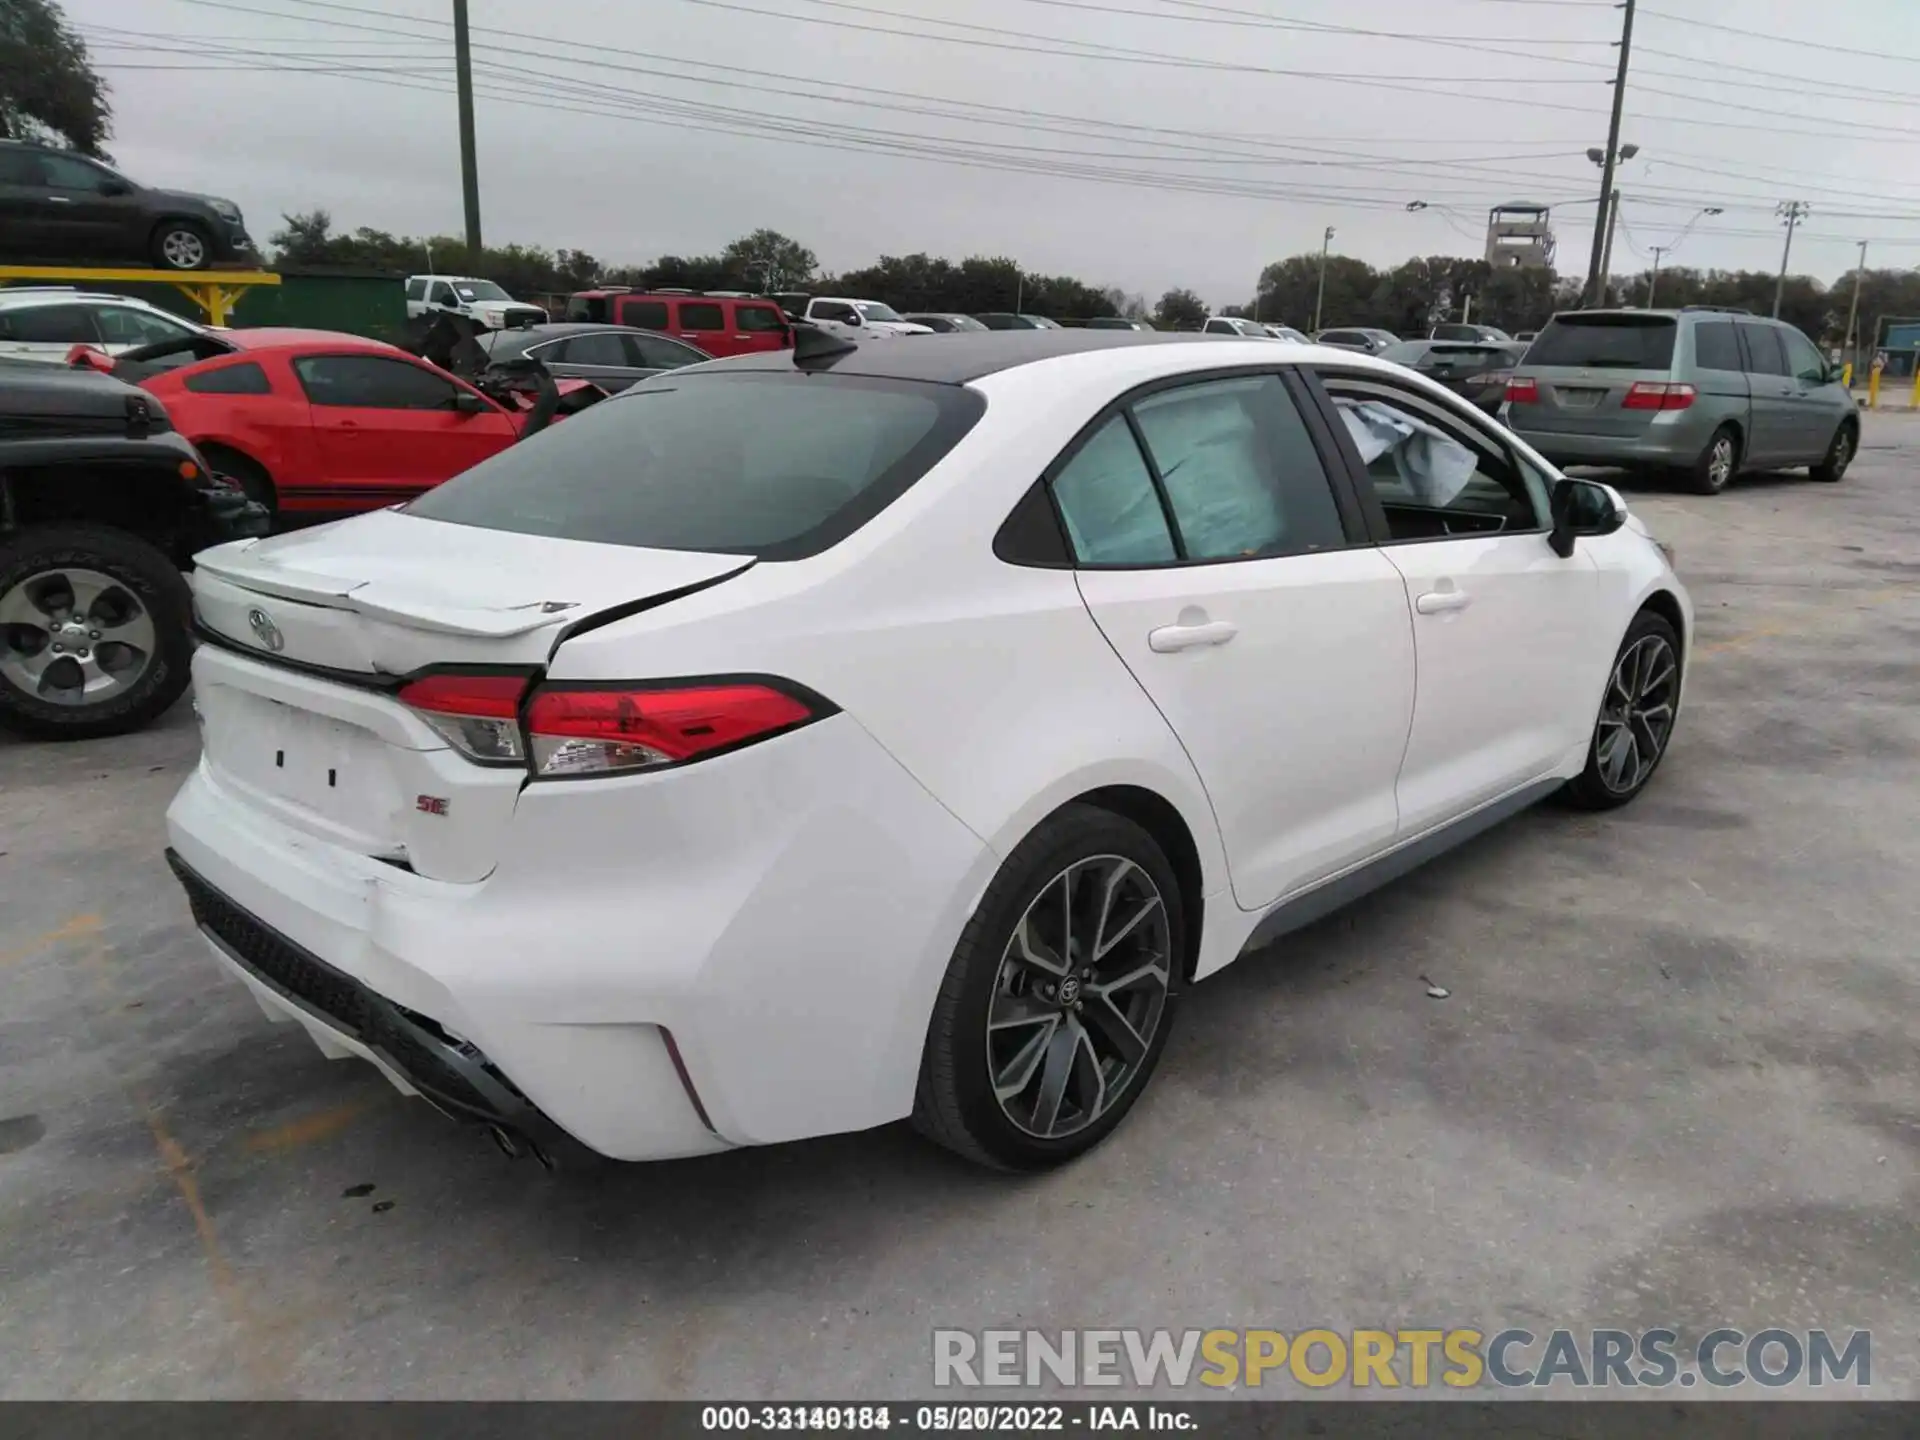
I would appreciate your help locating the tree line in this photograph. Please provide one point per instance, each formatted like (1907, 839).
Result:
(1407, 299)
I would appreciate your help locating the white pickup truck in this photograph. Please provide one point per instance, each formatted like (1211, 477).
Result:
(859, 319)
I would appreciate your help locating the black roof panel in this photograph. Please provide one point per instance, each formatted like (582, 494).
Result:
(958, 358)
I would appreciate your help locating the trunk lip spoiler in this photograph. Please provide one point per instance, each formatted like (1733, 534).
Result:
(387, 682)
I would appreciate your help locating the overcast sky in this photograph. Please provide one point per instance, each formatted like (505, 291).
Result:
(652, 168)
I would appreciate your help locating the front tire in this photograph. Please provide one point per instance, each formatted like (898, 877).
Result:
(95, 632)
(1058, 1000)
(1846, 441)
(182, 245)
(1635, 724)
(1718, 463)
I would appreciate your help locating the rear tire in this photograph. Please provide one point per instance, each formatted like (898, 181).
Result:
(1631, 734)
(182, 245)
(1718, 463)
(249, 474)
(1846, 441)
(1031, 1062)
(138, 596)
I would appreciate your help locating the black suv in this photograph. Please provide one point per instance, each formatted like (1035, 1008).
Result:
(102, 502)
(58, 207)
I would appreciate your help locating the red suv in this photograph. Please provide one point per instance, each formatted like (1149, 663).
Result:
(719, 324)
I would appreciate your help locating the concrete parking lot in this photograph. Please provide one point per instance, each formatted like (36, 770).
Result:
(1674, 1081)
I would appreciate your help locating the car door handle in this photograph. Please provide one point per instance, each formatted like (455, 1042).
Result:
(1442, 602)
(1169, 638)
(59, 200)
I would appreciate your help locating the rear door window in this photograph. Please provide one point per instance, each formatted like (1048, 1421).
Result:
(1714, 346)
(702, 315)
(1605, 342)
(1107, 497)
(658, 353)
(667, 464)
(1764, 355)
(603, 349)
(644, 314)
(50, 325)
(123, 325)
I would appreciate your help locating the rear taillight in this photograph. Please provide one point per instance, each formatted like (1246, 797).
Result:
(1523, 390)
(573, 730)
(1656, 395)
(476, 713)
(563, 729)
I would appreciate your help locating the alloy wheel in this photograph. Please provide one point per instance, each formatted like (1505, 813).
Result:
(1079, 996)
(1720, 461)
(1842, 453)
(1636, 717)
(183, 250)
(74, 637)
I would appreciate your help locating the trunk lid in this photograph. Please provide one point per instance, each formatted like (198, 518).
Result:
(298, 703)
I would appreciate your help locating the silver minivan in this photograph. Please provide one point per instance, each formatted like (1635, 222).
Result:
(1707, 392)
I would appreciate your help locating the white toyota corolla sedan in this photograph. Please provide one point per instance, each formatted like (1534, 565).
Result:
(804, 741)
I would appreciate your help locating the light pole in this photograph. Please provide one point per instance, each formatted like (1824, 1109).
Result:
(1853, 307)
(1659, 250)
(1609, 197)
(1320, 295)
(1596, 274)
(1793, 211)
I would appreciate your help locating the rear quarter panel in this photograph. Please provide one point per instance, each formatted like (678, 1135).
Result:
(274, 430)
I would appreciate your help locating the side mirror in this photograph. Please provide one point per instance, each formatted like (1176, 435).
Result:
(465, 402)
(115, 187)
(1583, 507)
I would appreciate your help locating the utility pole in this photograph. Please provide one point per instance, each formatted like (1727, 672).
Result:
(1606, 251)
(1794, 211)
(1853, 307)
(1602, 227)
(469, 165)
(1653, 280)
(1320, 295)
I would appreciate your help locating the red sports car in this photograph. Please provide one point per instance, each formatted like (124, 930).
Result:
(312, 422)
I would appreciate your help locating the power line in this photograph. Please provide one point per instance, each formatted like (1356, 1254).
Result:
(814, 86)
(1226, 15)
(1798, 44)
(814, 139)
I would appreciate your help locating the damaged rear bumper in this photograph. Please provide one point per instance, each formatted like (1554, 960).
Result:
(346, 1018)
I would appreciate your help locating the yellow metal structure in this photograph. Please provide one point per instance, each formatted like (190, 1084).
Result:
(1873, 387)
(216, 292)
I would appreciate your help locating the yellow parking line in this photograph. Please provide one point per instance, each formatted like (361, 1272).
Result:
(308, 1129)
(76, 927)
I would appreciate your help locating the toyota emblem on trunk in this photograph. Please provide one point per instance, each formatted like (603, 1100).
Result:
(266, 631)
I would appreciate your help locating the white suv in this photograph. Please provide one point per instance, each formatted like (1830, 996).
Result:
(44, 323)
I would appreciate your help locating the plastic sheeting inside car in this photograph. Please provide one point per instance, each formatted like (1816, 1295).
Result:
(1432, 464)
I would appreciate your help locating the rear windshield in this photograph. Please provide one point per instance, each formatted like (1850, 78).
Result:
(667, 464)
(1610, 342)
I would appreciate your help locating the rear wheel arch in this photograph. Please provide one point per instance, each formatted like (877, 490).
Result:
(254, 477)
(1162, 820)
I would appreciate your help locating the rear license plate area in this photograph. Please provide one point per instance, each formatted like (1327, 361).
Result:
(307, 761)
(1578, 399)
